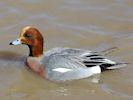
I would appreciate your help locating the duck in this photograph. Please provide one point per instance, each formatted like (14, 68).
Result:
(62, 63)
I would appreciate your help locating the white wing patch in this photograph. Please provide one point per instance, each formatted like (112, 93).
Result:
(62, 70)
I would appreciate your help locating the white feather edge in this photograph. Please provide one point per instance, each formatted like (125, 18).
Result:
(109, 61)
(121, 65)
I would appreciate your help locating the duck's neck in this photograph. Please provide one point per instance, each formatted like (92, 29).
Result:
(36, 50)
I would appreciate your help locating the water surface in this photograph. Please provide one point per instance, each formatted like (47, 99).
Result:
(89, 24)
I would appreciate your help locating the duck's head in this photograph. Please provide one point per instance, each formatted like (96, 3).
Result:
(31, 37)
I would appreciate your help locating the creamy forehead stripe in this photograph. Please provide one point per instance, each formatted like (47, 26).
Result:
(24, 30)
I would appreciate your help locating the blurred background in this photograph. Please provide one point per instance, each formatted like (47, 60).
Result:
(88, 24)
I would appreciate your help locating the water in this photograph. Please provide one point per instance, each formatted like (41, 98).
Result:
(88, 24)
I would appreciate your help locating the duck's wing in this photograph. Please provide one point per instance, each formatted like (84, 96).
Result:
(70, 58)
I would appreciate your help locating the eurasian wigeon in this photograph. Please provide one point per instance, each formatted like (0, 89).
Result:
(60, 64)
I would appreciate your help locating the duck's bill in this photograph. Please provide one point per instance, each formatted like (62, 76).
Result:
(16, 42)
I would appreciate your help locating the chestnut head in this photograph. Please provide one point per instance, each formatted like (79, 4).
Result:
(31, 37)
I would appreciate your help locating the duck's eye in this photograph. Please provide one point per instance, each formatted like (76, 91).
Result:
(28, 35)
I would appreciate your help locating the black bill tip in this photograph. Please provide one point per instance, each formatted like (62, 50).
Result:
(10, 43)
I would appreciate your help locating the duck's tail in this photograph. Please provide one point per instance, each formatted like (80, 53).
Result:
(112, 66)
(117, 65)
